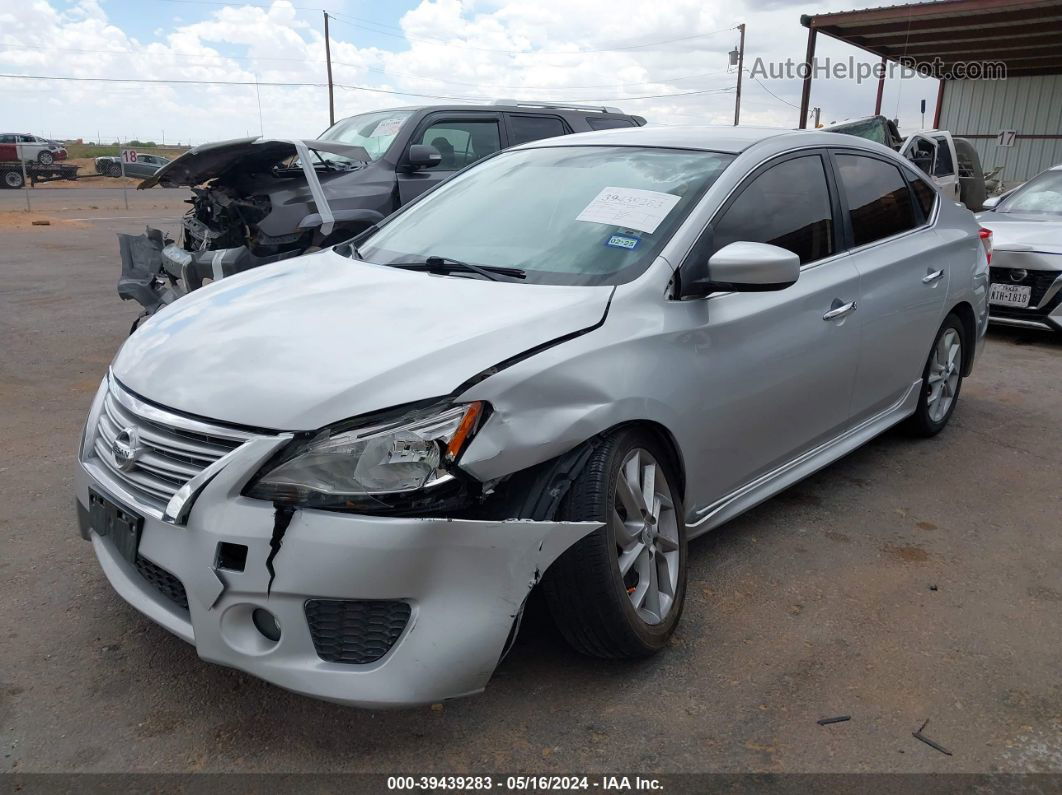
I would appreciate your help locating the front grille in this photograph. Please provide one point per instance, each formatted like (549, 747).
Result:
(1040, 281)
(165, 583)
(171, 449)
(356, 632)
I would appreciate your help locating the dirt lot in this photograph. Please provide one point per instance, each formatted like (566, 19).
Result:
(913, 580)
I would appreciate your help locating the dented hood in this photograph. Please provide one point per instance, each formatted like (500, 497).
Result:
(251, 155)
(310, 341)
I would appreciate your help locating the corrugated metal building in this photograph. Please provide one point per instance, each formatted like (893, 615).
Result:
(1025, 36)
(979, 109)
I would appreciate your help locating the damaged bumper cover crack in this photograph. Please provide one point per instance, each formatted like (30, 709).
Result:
(464, 582)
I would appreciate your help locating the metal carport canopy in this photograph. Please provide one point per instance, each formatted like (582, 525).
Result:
(1024, 35)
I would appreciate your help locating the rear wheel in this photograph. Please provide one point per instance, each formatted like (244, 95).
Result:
(619, 592)
(115, 169)
(13, 179)
(941, 380)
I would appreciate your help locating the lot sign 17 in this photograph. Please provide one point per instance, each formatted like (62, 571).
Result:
(1006, 137)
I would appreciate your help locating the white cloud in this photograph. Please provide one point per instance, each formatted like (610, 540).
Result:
(547, 49)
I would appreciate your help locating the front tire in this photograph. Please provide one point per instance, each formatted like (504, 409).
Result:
(45, 158)
(619, 592)
(941, 380)
(115, 170)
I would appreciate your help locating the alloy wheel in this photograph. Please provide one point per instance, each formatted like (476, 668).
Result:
(646, 532)
(942, 382)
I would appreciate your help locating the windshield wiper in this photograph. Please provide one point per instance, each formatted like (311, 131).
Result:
(448, 265)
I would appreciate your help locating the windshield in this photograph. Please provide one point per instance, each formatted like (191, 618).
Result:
(1041, 194)
(564, 215)
(373, 131)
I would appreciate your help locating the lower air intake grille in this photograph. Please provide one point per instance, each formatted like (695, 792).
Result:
(165, 583)
(355, 631)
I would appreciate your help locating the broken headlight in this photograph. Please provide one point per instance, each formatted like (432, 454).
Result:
(343, 467)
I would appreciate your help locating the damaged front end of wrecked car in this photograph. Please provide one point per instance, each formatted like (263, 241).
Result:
(254, 201)
(407, 585)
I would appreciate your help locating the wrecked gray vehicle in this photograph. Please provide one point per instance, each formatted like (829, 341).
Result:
(254, 201)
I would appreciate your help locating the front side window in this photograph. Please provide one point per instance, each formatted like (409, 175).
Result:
(788, 205)
(534, 128)
(879, 202)
(580, 215)
(1041, 194)
(372, 131)
(462, 143)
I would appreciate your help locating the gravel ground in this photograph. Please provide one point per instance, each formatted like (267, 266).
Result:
(912, 580)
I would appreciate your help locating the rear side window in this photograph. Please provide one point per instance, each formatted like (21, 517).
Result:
(879, 202)
(924, 195)
(533, 128)
(609, 124)
(788, 205)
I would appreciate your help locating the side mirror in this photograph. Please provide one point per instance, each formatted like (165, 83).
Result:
(424, 156)
(991, 202)
(741, 267)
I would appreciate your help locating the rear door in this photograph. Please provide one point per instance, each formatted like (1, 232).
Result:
(903, 273)
(462, 138)
(525, 127)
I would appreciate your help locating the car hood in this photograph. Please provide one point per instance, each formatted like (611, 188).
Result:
(307, 342)
(1024, 231)
(209, 161)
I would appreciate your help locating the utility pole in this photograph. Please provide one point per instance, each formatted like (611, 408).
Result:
(328, 59)
(816, 112)
(740, 67)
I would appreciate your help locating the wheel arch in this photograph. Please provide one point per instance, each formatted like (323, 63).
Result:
(667, 440)
(965, 313)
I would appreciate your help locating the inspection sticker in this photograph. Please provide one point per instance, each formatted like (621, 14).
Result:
(622, 241)
(632, 208)
(387, 127)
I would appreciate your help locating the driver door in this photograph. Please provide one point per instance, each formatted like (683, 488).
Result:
(775, 369)
(461, 138)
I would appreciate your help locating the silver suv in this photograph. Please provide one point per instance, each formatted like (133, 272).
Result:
(345, 473)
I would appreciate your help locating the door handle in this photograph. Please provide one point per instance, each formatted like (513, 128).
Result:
(839, 310)
(932, 276)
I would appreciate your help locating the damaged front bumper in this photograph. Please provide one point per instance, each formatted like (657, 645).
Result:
(425, 607)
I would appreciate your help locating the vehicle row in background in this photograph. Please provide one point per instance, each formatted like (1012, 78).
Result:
(144, 165)
(257, 201)
(1026, 226)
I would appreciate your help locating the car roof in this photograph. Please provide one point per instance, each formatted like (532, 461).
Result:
(592, 111)
(718, 138)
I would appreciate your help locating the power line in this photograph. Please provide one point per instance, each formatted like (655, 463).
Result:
(761, 85)
(251, 83)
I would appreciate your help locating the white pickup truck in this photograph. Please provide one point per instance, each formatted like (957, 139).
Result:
(952, 163)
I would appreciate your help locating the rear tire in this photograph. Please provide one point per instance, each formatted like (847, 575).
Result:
(115, 170)
(13, 179)
(941, 380)
(599, 608)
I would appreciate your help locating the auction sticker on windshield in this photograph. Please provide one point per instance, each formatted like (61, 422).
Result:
(387, 127)
(632, 208)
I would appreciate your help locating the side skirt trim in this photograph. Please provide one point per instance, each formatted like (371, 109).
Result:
(753, 493)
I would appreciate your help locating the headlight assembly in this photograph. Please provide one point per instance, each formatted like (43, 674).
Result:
(342, 467)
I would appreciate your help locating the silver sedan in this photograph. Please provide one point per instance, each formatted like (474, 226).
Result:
(344, 473)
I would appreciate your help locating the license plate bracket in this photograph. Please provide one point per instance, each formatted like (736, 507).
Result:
(1016, 295)
(119, 524)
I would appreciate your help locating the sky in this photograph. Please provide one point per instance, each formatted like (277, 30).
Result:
(666, 60)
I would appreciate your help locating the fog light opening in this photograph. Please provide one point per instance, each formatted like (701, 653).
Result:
(266, 623)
